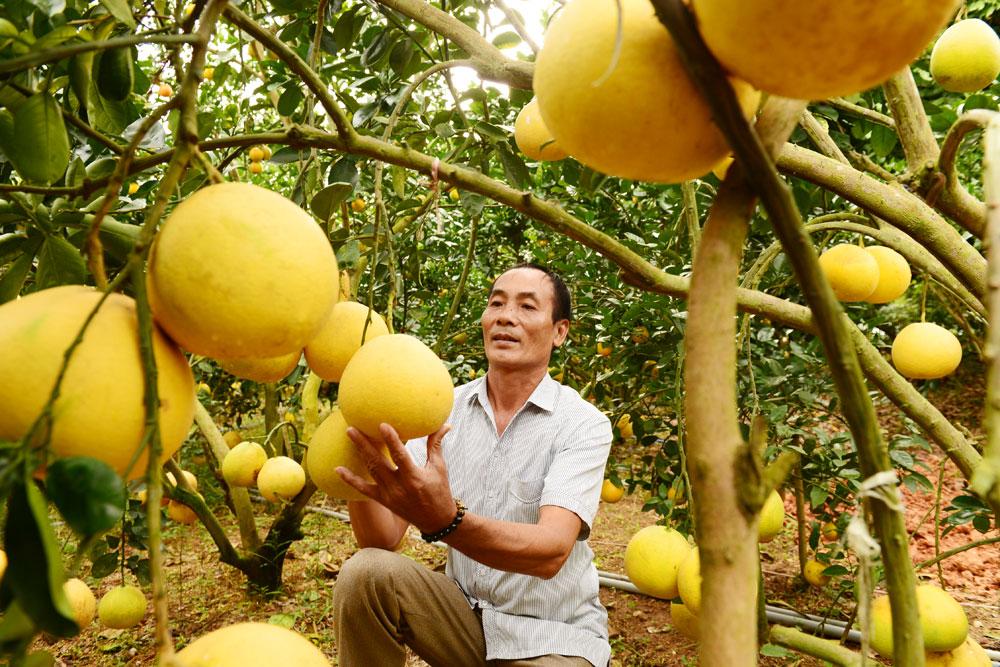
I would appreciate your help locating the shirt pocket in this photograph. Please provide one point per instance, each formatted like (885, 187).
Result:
(524, 498)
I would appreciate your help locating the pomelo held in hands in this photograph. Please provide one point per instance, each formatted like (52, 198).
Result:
(240, 272)
(398, 380)
(329, 449)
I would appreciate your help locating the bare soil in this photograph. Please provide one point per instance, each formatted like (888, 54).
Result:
(205, 595)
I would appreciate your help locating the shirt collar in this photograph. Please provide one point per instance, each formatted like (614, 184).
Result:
(544, 395)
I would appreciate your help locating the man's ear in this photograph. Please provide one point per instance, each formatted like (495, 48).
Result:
(562, 330)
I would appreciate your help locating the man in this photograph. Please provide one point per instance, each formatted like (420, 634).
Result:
(526, 455)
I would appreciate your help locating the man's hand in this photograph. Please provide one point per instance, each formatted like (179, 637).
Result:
(420, 495)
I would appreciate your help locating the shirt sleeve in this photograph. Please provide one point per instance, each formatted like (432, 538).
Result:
(577, 471)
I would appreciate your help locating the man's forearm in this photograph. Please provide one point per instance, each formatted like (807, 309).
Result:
(536, 549)
(374, 525)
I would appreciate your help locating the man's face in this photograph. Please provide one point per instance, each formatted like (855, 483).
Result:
(518, 331)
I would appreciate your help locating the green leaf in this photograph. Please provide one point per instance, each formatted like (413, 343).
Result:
(817, 496)
(35, 572)
(118, 237)
(88, 493)
(120, 10)
(54, 38)
(505, 40)
(514, 168)
(15, 626)
(13, 279)
(106, 115)
(59, 263)
(775, 651)
(290, 100)
(883, 141)
(326, 201)
(104, 565)
(39, 145)
(282, 620)
(343, 171)
(398, 181)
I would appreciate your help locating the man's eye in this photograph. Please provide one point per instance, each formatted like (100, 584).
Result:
(528, 306)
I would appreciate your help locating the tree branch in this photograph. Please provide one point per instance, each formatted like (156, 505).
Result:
(518, 26)
(914, 130)
(715, 447)
(986, 481)
(824, 649)
(36, 58)
(841, 356)
(489, 61)
(953, 199)
(899, 207)
(862, 112)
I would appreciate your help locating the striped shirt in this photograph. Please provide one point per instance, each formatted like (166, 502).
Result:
(553, 452)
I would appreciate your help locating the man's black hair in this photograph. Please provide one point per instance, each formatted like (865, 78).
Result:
(563, 307)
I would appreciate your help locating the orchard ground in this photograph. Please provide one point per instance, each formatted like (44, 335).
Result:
(205, 595)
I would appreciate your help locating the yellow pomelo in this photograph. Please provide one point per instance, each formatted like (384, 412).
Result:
(240, 272)
(3, 563)
(122, 607)
(683, 621)
(232, 438)
(722, 168)
(925, 351)
(893, 274)
(252, 645)
(969, 654)
(813, 573)
(638, 117)
(243, 463)
(81, 601)
(330, 448)
(652, 558)
(188, 476)
(625, 426)
(611, 493)
(829, 532)
(181, 513)
(99, 411)
(944, 623)
(267, 369)
(281, 478)
(852, 272)
(820, 48)
(966, 57)
(689, 581)
(532, 137)
(772, 516)
(398, 380)
(340, 337)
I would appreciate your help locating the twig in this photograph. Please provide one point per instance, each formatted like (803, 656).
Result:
(862, 112)
(64, 52)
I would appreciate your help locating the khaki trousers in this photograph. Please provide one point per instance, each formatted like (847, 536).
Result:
(384, 601)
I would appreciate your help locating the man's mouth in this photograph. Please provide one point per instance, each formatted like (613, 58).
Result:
(504, 338)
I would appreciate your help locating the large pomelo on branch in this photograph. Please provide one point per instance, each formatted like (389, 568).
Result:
(269, 369)
(99, 412)
(330, 448)
(533, 137)
(652, 559)
(943, 621)
(893, 274)
(252, 645)
(240, 272)
(341, 336)
(398, 380)
(966, 57)
(630, 112)
(926, 351)
(815, 49)
(852, 272)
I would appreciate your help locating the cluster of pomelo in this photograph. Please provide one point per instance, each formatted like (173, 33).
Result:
(629, 82)
(660, 562)
(877, 274)
(257, 155)
(120, 608)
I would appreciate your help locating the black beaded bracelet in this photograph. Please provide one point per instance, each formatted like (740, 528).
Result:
(450, 528)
